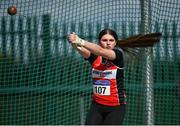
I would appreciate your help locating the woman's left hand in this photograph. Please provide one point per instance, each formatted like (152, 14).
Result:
(72, 38)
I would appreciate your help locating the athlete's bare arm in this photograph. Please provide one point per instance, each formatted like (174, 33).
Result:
(87, 47)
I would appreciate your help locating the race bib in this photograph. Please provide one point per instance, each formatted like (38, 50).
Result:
(101, 87)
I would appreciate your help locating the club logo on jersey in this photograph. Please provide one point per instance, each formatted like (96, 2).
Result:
(108, 64)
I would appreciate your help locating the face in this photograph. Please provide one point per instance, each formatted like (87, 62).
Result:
(107, 41)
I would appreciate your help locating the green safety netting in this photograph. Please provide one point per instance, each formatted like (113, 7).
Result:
(43, 80)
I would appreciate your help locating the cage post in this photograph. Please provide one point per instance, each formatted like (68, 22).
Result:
(82, 111)
(149, 84)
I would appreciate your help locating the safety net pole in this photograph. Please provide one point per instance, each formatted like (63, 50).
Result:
(149, 94)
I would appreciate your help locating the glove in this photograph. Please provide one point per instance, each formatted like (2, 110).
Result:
(76, 39)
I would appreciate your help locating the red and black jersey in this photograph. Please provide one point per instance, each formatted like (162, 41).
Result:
(108, 85)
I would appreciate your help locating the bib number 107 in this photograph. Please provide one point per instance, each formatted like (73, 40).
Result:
(101, 90)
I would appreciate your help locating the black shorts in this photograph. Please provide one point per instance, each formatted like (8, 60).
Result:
(105, 115)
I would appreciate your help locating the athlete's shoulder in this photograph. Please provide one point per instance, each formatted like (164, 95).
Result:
(92, 58)
(119, 49)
